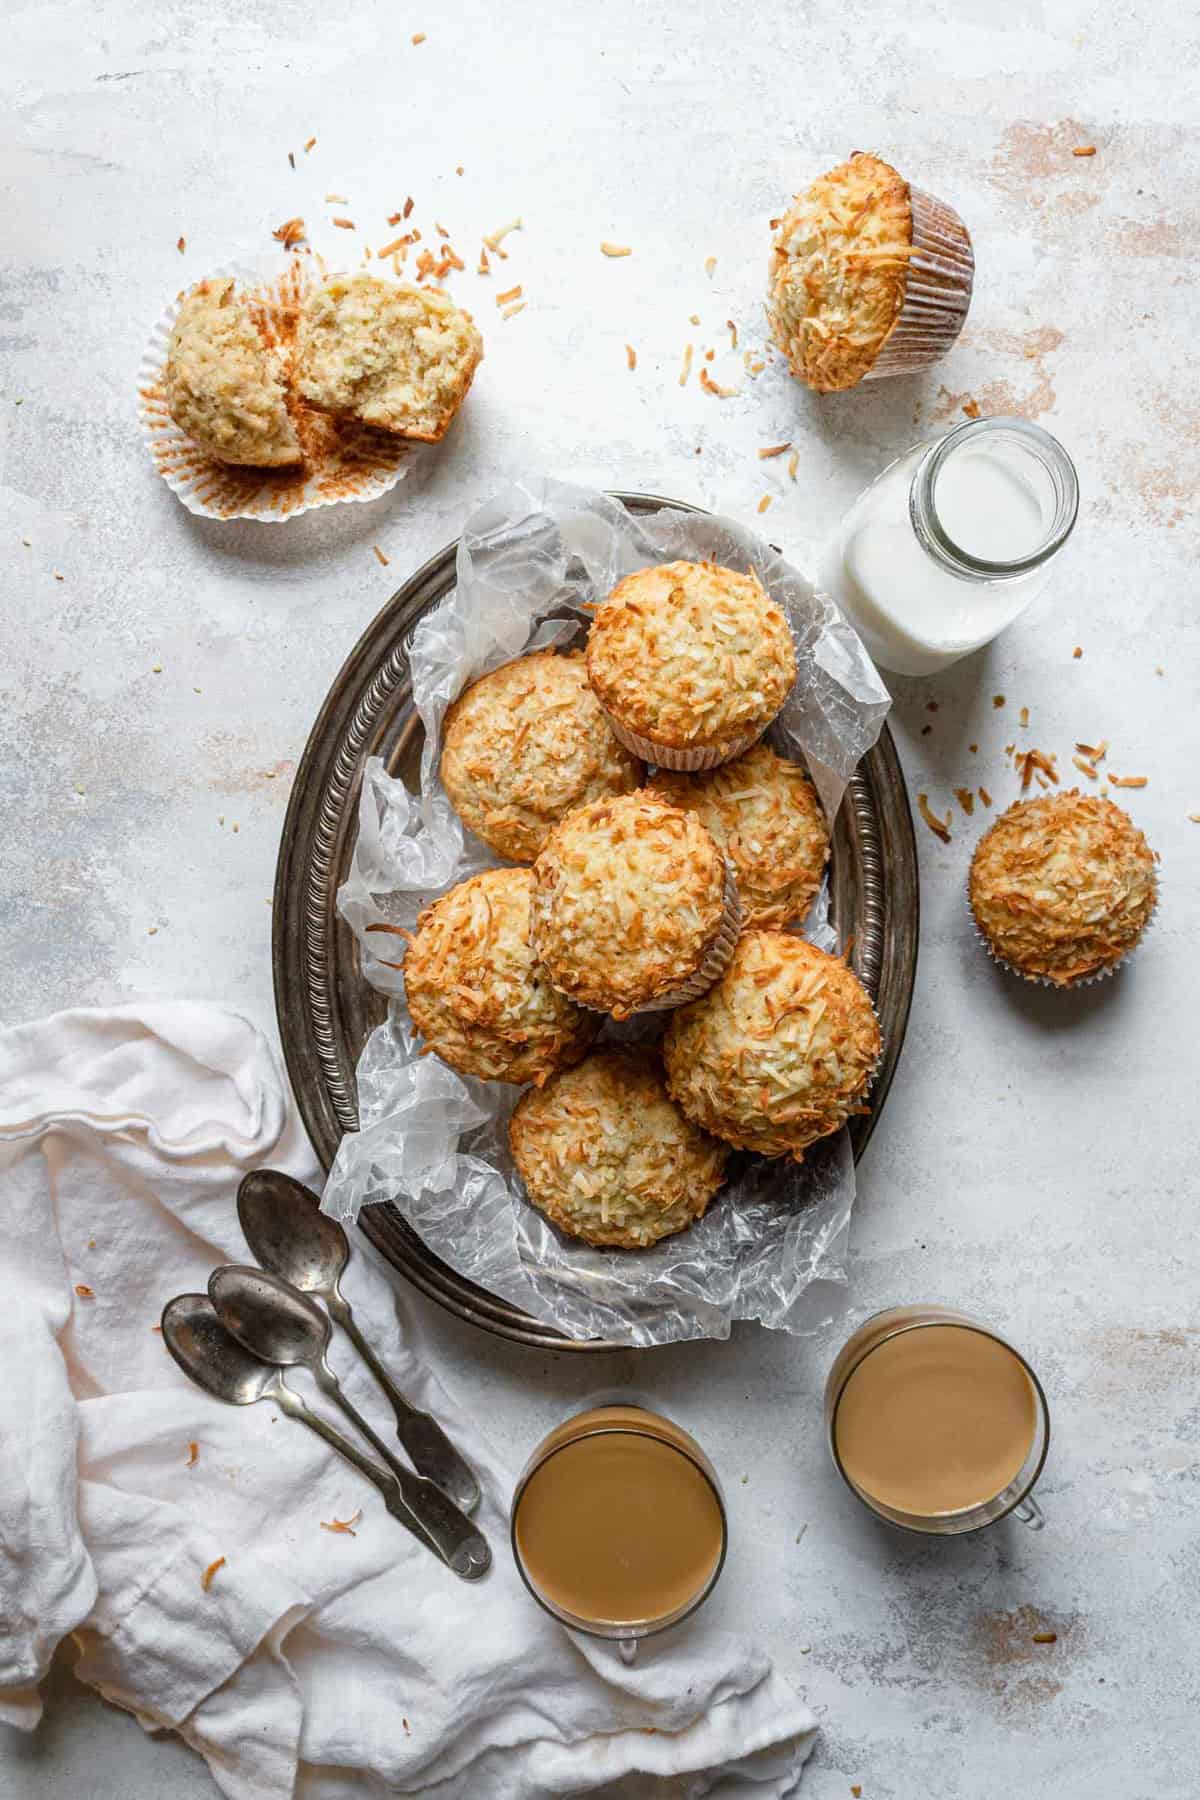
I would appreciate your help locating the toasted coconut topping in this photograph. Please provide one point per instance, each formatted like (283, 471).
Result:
(628, 903)
(773, 450)
(840, 270)
(691, 654)
(1063, 886)
(939, 827)
(526, 745)
(630, 356)
(476, 991)
(966, 800)
(765, 502)
(607, 1156)
(780, 1052)
(763, 812)
(617, 249)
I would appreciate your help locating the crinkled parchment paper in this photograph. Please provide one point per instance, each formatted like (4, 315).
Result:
(435, 1143)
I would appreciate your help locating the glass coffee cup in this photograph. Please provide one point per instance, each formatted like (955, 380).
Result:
(936, 1422)
(618, 1522)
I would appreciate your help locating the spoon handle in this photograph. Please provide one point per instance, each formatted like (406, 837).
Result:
(423, 1438)
(456, 1539)
(295, 1408)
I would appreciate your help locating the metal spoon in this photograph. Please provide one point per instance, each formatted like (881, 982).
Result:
(212, 1358)
(290, 1235)
(273, 1321)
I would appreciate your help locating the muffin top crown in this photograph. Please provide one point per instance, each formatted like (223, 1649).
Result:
(608, 1157)
(691, 654)
(629, 895)
(765, 815)
(1062, 886)
(476, 991)
(840, 270)
(779, 1052)
(526, 745)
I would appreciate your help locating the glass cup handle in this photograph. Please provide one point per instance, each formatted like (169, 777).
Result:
(628, 1649)
(1029, 1513)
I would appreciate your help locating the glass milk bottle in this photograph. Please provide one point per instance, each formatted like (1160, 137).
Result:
(952, 541)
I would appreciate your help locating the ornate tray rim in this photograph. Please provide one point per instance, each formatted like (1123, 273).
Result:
(311, 944)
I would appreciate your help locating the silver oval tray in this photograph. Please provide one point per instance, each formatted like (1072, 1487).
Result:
(325, 1008)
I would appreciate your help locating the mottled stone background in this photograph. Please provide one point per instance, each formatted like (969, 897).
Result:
(1037, 1160)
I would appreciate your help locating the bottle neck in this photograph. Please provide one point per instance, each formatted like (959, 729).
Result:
(1034, 459)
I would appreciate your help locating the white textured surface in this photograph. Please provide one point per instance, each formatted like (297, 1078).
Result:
(1036, 1156)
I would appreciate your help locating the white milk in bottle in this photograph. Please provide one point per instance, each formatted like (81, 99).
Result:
(952, 541)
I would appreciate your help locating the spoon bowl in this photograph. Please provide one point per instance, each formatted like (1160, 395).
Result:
(211, 1356)
(269, 1318)
(289, 1234)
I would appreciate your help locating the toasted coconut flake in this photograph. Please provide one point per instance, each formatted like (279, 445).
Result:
(732, 334)
(769, 450)
(997, 700)
(510, 312)
(966, 800)
(206, 1580)
(630, 356)
(380, 556)
(418, 37)
(939, 827)
(1024, 716)
(971, 408)
(1036, 762)
(400, 243)
(310, 145)
(714, 387)
(181, 245)
(337, 200)
(764, 503)
(1094, 752)
(985, 796)
(84, 1291)
(344, 1526)
(485, 267)
(616, 249)
(1089, 769)
(512, 293)
(686, 370)
(193, 1455)
(1128, 781)
(497, 238)
(793, 464)
(710, 263)
(1082, 150)
(345, 224)
(1195, 818)
(290, 233)
(1077, 651)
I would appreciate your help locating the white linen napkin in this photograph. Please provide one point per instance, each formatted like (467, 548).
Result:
(316, 1663)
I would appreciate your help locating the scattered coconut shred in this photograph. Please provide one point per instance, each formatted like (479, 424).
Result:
(206, 1580)
(939, 827)
(344, 1526)
(616, 249)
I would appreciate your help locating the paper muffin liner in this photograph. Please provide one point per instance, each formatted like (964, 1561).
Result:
(716, 958)
(937, 295)
(341, 461)
(1081, 981)
(689, 762)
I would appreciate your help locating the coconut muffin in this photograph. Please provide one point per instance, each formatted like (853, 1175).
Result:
(779, 1053)
(634, 906)
(224, 386)
(396, 357)
(764, 814)
(869, 277)
(1062, 887)
(526, 745)
(691, 662)
(607, 1156)
(475, 990)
